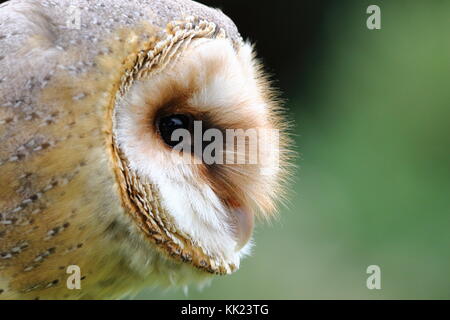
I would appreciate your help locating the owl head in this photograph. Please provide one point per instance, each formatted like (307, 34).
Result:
(201, 147)
(140, 146)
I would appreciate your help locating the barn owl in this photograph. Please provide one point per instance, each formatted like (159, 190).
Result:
(91, 93)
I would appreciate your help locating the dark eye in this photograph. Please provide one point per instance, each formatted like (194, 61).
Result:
(168, 124)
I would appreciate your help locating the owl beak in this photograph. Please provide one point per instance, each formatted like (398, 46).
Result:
(244, 220)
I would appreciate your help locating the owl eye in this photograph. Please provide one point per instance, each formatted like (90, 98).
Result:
(168, 124)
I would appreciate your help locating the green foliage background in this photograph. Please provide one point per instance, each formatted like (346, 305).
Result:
(373, 178)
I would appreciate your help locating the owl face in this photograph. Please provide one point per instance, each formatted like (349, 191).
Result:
(209, 101)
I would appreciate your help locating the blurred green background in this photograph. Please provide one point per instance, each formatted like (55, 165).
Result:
(372, 129)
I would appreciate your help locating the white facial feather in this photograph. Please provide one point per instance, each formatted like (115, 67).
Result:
(192, 203)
